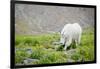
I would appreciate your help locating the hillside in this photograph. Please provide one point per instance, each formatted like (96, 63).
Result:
(37, 19)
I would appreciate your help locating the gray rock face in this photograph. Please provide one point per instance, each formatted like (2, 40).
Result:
(35, 19)
(30, 61)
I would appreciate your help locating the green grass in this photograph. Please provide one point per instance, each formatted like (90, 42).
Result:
(44, 50)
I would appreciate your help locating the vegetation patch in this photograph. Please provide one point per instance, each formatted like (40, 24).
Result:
(46, 52)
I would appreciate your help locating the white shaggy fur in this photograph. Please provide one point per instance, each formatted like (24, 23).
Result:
(70, 33)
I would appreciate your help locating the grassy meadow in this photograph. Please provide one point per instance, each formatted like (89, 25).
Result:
(46, 52)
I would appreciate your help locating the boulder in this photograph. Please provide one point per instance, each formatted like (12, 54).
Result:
(29, 51)
(30, 61)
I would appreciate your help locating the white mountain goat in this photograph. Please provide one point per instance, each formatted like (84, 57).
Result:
(70, 33)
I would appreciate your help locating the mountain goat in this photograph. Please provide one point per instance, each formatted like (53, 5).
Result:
(70, 33)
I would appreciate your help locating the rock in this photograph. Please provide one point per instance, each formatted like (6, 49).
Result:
(70, 60)
(29, 51)
(56, 43)
(70, 52)
(16, 49)
(29, 61)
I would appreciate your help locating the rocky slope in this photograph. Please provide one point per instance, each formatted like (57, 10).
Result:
(37, 19)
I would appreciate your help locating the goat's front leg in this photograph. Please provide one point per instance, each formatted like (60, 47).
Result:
(67, 44)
